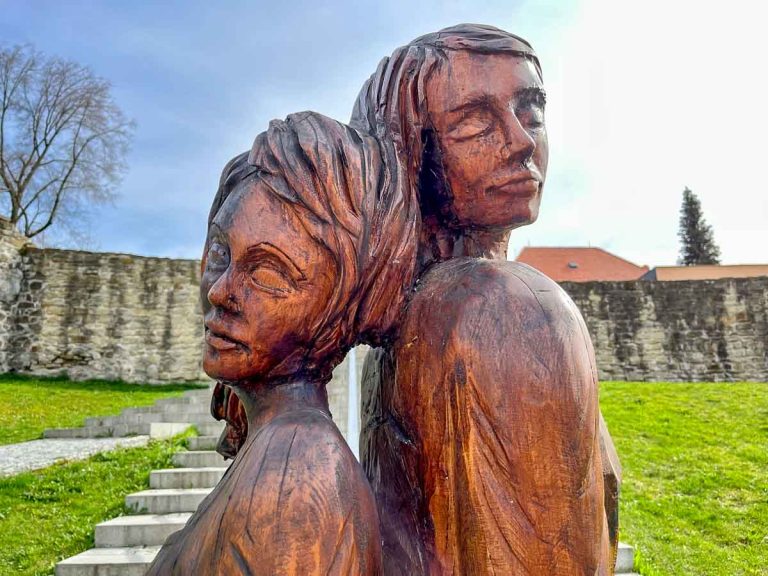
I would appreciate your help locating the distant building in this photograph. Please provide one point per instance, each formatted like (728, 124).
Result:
(706, 272)
(580, 264)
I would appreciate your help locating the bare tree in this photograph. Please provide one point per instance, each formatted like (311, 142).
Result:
(63, 142)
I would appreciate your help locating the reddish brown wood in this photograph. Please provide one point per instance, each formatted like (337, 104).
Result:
(225, 405)
(481, 435)
(503, 454)
(311, 249)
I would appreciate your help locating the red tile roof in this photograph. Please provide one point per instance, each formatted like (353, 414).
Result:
(580, 264)
(708, 272)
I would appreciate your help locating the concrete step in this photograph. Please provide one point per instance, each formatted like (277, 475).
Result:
(177, 400)
(202, 442)
(149, 417)
(143, 418)
(109, 562)
(152, 429)
(625, 559)
(176, 410)
(212, 428)
(186, 477)
(199, 392)
(138, 410)
(99, 431)
(90, 432)
(166, 501)
(199, 459)
(140, 530)
(167, 429)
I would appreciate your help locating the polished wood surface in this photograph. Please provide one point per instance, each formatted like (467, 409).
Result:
(482, 438)
(484, 467)
(294, 501)
(457, 489)
(311, 249)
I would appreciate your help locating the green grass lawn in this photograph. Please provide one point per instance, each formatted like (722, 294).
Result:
(694, 499)
(695, 457)
(50, 514)
(30, 405)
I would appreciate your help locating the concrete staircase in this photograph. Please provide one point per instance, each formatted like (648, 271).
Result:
(166, 418)
(126, 546)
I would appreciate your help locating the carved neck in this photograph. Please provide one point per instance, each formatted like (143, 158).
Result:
(264, 402)
(439, 244)
(482, 244)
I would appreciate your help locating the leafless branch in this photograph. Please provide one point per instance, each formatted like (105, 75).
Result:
(63, 141)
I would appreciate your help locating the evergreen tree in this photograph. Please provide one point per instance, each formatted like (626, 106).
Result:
(697, 242)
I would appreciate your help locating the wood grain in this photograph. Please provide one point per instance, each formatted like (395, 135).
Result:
(482, 436)
(311, 248)
(465, 108)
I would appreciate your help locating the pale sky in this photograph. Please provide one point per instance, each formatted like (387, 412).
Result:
(645, 98)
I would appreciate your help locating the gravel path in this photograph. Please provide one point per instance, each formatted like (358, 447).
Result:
(15, 458)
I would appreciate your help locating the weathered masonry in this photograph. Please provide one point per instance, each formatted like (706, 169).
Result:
(98, 315)
(115, 316)
(698, 330)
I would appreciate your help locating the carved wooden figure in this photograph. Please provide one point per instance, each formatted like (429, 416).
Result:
(310, 249)
(482, 436)
(480, 421)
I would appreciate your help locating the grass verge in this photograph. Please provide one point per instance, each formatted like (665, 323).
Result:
(50, 514)
(29, 405)
(695, 459)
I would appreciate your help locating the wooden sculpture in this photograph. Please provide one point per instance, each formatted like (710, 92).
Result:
(482, 436)
(480, 421)
(310, 249)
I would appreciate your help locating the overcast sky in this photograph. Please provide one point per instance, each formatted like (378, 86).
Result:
(645, 98)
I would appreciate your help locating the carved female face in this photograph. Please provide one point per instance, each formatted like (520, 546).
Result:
(487, 112)
(266, 282)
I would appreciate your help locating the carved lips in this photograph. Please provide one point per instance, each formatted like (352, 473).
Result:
(524, 184)
(219, 341)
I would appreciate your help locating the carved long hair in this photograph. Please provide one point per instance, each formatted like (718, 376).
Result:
(347, 189)
(393, 103)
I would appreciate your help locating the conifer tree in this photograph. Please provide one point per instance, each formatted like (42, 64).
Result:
(697, 242)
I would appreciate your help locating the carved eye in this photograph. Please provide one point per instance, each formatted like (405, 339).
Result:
(218, 256)
(470, 127)
(269, 278)
(531, 117)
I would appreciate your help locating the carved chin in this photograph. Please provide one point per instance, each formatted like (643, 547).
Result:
(533, 208)
(230, 364)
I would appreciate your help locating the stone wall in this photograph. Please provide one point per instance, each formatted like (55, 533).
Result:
(704, 330)
(11, 278)
(112, 316)
(115, 316)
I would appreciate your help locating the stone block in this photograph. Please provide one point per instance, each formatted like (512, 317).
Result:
(139, 530)
(202, 442)
(625, 559)
(109, 562)
(199, 459)
(166, 501)
(186, 477)
(212, 428)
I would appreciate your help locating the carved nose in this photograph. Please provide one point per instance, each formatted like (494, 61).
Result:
(219, 294)
(519, 146)
(516, 154)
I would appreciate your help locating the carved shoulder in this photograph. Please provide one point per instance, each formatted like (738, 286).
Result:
(303, 498)
(491, 303)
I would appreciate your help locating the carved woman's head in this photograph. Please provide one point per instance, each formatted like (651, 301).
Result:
(465, 109)
(310, 250)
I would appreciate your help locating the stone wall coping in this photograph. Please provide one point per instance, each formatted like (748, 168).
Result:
(99, 254)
